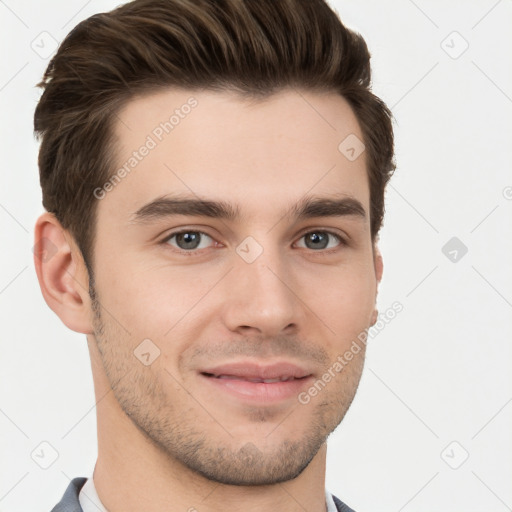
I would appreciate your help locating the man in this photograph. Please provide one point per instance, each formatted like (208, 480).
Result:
(213, 173)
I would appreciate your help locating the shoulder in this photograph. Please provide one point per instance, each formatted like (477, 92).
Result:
(340, 506)
(70, 502)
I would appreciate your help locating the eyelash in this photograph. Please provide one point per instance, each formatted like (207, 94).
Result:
(195, 252)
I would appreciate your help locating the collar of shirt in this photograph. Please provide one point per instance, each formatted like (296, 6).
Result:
(90, 501)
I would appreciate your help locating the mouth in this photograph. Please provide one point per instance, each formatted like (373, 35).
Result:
(283, 378)
(254, 382)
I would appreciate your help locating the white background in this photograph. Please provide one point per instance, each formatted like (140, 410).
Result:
(439, 372)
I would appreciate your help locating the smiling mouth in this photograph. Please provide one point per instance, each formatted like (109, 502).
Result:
(257, 389)
(259, 382)
(284, 378)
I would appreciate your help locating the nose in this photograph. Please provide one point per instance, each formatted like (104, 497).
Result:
(261, 297)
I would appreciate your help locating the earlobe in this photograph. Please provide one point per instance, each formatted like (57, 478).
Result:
(62, 274)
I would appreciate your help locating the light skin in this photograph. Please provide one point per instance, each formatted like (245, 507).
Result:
(170, 436)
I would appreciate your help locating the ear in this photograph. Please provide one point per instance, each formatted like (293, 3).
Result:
(379, 268)
(62, 274)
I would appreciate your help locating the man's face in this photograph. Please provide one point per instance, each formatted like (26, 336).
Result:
(241, 314)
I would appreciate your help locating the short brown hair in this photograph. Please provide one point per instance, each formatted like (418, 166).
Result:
(253, 47)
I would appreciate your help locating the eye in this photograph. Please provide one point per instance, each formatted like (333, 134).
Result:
(191, 241)
(321, 240)
(188, 240)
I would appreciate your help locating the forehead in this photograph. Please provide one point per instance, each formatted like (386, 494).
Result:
(256, 154)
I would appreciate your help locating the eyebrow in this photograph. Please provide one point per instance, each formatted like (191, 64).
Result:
(308, 207)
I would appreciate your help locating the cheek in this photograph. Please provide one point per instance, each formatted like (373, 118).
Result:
(151, 300)
(345, 297)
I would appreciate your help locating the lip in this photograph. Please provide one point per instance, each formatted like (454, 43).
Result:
(245, 380)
